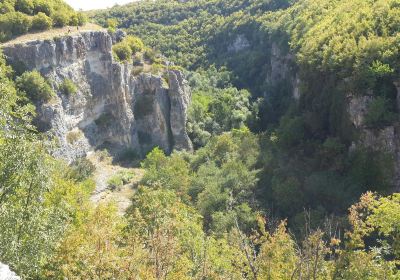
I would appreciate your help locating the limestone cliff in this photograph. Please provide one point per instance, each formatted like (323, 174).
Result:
(7, 274)
(111, 104)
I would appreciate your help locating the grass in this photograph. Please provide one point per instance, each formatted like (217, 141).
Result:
(52, 33)
(120, 179)
(74, 136)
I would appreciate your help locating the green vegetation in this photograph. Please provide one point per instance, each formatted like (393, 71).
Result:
(272, 190)
(41, 22)
(216, 106)
(122, 51)
(38, 201)
(81, 169)
(120, 179)
(68, 87)
(74, 136)
(17, 17)
(34, 86)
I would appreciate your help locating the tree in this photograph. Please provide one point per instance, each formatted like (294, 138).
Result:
(42, 6)
(41, 22)
(24, 6)
(135, 43)
(60, 18)
(169, 172)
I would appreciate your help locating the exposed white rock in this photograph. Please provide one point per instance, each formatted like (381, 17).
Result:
(239, 44)
(7, 274)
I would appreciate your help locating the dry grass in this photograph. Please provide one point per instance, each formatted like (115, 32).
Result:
(74, 136)
(106, 170)
(52, 33)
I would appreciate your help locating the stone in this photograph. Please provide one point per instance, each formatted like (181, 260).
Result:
(7, 274)
(240, 43)
(111, 105)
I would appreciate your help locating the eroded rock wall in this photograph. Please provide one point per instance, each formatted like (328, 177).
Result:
(111, 104)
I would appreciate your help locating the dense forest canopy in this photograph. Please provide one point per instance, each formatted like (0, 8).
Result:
(278, 186)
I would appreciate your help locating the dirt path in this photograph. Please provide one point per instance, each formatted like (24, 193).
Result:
(106, 170)
(52, 33)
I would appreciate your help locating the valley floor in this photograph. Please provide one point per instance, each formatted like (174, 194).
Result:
(105, 170)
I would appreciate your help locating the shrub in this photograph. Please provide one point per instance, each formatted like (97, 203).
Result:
(122, 51)
(73, 136)
(115, 182)
(156, 68)
(104, 156)
(120, 179)
(137, 70)
(24, 6)
(73, 20)
(68, 87)
(135, 43)
(15, 23)
(35, 86)
(150, 55)
(41, 22)
(81, 169)
(82, 19)
(379, 114)
(60, 19)
(42, 6)
(6, 7)
(112, 25)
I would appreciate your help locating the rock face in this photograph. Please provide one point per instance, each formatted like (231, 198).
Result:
(7, 274)
(386, 139)
(282, 70)
(111, 104)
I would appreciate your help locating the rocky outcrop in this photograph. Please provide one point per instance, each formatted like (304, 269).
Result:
(386, 139)
(282, 70)
(111, 105)
(7, 274)
(240, 43)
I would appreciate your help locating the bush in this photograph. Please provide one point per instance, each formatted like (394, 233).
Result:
(81, 169)
(35, 86)
(15, 23)
(122, 51)
(68, 87)
(82, 19)
(6, 7)
(60, 19)
(41, 22)
(150, 55)
(135, 43)
(42, 6)
(120, 179)
(74, 136)
(112, 25)
(74, 21)
(24, 6)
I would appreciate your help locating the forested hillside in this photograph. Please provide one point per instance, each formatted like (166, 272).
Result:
(335, 49)
(294, 119)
